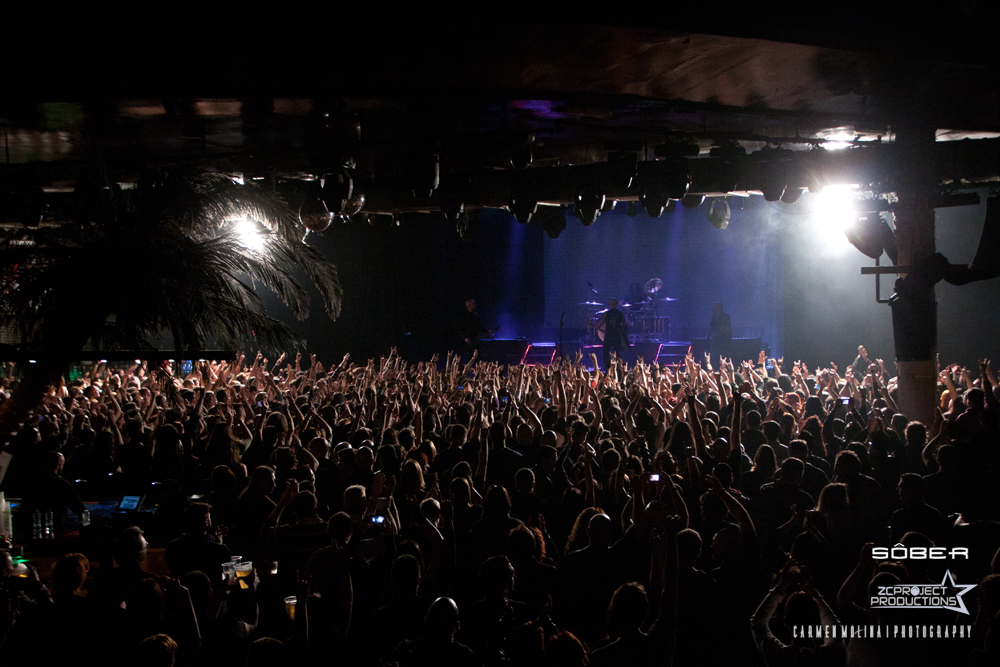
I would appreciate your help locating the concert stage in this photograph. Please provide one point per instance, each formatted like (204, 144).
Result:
(516, 351)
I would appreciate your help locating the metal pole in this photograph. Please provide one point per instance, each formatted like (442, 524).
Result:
(914, 318)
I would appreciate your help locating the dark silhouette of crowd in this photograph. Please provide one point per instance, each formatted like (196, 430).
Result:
(452, 513)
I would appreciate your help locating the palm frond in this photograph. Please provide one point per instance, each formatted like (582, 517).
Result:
(162, 256)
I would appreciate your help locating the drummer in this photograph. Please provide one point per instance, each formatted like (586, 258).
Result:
(637, 295)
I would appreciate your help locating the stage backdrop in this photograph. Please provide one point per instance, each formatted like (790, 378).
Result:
(741, 267)
(779, 274)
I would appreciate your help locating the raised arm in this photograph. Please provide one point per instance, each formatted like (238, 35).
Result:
(734, 506)
(736, 425)
(663, 630)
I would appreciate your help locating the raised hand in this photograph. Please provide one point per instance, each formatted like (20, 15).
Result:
(378, 485)
(291, 490)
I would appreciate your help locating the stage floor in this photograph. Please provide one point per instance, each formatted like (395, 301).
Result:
(515, 351)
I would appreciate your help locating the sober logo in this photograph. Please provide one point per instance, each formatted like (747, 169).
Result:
(899, 552)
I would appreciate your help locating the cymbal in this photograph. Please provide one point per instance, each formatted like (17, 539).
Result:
(591, 303)
(601, 312)
(667, 298)
(653, 285)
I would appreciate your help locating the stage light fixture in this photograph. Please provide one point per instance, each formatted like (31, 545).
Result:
(609, 205)
(623, 168)
(354, 205)
(337, 190)
(520, 157)
(772, 181)
(865, 234)
(553, 220)
(677, 179)
(425, 174)
(450, 202)
(522, 207)
(728, 171)
(791, 195)
(654, 200)
(718, 214)
(453, 210)
(249, 232)
(588, 205)
(692, 201)
(462, 225)
(314, 214)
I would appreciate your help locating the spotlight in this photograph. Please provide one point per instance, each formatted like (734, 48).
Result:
(773, 181)
(718, 214)
(677, 179)
(522, 207)
(728, 171)
(354, 205)
(693, 201)
(425, 174)
(865, 234)
(520, 158)
(338, 188)
(314, 214)
(453, 210)
(451, 204)
(462, 225)
(249, 232)
(791, 195)
(623, 168)
(553, 219)
(609, 205)
(671, 206)
(654, 200)
(588, 206)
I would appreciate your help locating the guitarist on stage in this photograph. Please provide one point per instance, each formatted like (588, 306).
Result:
(615, 332)
(471, 328)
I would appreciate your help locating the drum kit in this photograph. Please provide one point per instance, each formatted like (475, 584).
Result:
(645, 323)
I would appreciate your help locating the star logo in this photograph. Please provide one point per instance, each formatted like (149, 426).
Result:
(946, 595)
(960, 590)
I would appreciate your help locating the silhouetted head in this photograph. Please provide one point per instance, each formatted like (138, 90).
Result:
(441, 620)
(599, 530)
(628, 608)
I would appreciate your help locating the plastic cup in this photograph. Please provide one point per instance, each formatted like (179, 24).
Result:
(290, 603)
(243, 570)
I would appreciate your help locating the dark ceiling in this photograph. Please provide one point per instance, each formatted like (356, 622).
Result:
(292, 98)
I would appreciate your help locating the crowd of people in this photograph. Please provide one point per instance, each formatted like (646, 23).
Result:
(466, 513)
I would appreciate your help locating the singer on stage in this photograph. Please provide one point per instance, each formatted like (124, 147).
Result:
(616, 332)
